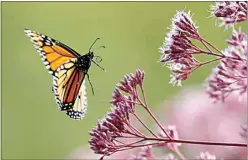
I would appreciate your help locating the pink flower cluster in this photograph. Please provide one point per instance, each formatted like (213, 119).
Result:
(116, 132)
(230, 12)
(197, 117)
(109, 134)
(230, 76)
(116, 123)
(178, 51)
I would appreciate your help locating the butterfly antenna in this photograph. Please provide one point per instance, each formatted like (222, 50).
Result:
(93, 44)
(98, 59)
(98, 48)
(98, 65)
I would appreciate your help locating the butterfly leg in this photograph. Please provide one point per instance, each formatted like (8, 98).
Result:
(90, 83)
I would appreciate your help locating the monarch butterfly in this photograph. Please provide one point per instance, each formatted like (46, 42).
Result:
(68, 69)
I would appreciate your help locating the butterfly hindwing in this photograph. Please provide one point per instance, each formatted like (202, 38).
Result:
(53, 53)
(69, 89)
(80, 105)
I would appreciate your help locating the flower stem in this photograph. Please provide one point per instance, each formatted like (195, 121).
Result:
(213, 54)
(144, 124)
(130, 144)
(144, 145)
(151, 114)
(209, 61)
(206, 46)
(198, 142)
(180, 155)
(203, 40)
(136, 131)
(158, 123)
(200, 64)
(143, 94)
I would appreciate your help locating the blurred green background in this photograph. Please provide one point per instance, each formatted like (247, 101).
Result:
(32, 126)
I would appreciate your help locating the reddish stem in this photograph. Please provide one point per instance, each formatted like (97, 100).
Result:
(129, 136)
(158, 123)
(236, 58)
(200, 64)
(180, 155)
(209, 61)
(213, 54)
(138, 133)
(130, 144)
(203, 40)
(143, 94)
(144, 145)
(198, 142)
(206, 46)
(132, 102)
(154, 118)
(119, 141)
(144, 125)
(151, 114)
(222, 56)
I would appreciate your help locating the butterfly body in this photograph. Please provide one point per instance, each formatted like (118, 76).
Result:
(68, 69)
(83, 63)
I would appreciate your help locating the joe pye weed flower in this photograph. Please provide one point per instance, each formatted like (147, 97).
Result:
(116, 133)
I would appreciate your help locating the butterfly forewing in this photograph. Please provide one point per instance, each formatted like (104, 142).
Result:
(53, 53)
